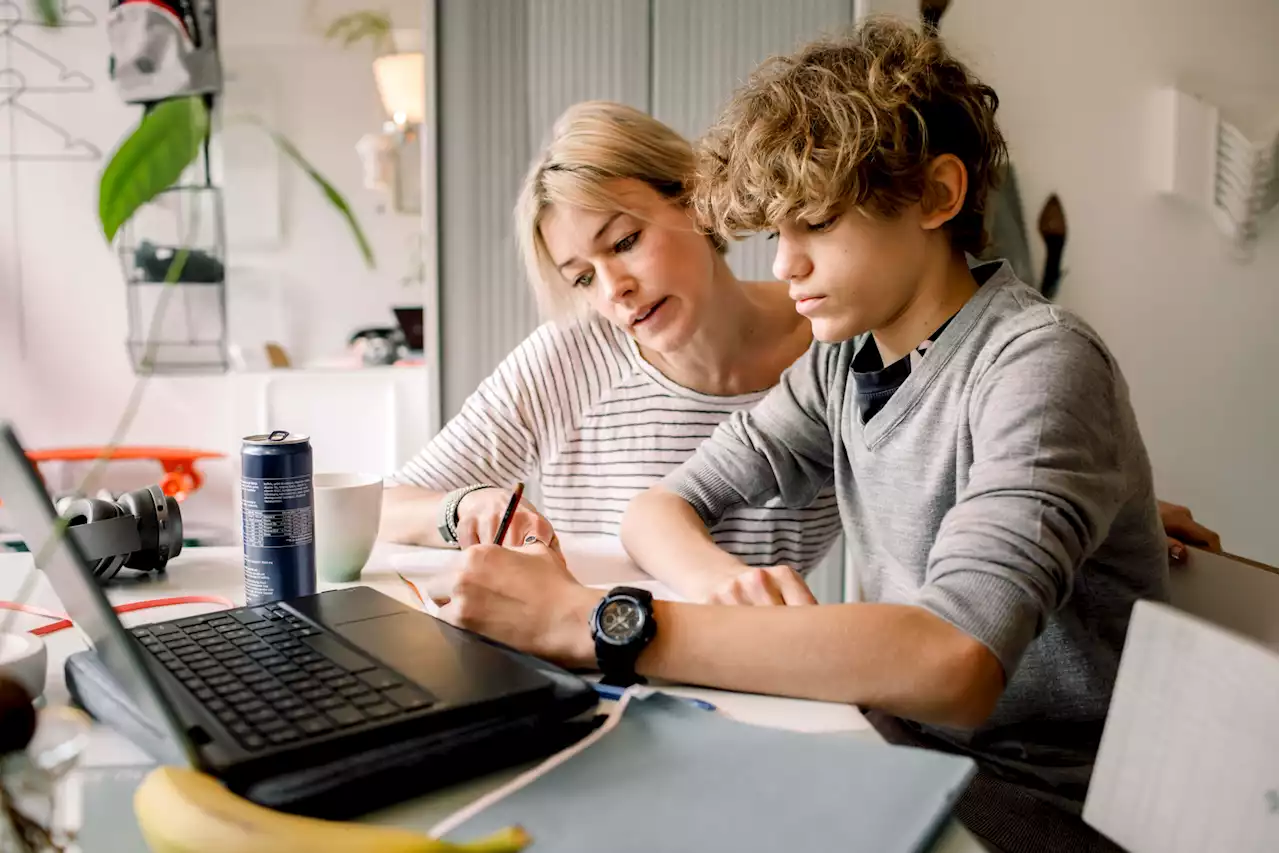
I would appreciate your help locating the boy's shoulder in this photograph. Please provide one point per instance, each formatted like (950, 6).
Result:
(1015, 314)
(1004, 310)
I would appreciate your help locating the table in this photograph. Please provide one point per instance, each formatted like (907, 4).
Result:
(597, 562)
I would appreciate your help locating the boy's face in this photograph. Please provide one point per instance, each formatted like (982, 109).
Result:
(854, 273)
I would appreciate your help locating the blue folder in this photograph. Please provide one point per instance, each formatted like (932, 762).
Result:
(672, 776)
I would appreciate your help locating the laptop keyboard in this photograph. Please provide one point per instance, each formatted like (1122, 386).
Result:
(272, 679)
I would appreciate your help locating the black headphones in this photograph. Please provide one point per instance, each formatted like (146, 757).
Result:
(141, 530)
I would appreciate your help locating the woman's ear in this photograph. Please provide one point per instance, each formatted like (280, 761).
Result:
(946, 185)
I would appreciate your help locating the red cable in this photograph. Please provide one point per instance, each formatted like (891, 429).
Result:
(64, 622)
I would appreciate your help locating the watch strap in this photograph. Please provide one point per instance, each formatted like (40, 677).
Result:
(447, 524)
(618, 663)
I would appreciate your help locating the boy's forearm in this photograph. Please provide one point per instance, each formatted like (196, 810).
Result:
(666, 538)
(897, 658)
(409, 517)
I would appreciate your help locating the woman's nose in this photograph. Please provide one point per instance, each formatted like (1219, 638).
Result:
(616, 281)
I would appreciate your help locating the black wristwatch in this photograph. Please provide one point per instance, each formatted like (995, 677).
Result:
(622, 625)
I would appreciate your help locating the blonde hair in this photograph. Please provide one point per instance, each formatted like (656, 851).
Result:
(591, 144)
(850, 123)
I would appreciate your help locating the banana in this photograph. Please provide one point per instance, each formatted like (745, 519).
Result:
(181, 810)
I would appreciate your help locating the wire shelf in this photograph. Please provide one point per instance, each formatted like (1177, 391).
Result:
(177, 327)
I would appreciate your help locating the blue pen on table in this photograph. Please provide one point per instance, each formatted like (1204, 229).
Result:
(609, 691)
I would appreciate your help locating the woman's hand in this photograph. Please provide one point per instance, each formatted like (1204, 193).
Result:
(480, 514)
(1181, 528)
(763, 587)
(524, 596)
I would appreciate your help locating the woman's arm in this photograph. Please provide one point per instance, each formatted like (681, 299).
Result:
(1181, 529)
(479, 514)
(409, 516)
(496, 439)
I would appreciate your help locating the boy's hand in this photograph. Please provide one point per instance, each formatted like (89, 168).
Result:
(1181, 528)
(480, 513)
(763, 587)
(524, 596)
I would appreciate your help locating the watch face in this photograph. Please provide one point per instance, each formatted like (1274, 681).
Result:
(621, 620)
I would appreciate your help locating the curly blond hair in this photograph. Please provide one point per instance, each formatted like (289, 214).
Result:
(849, 122)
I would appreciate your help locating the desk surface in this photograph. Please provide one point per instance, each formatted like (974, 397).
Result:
(218, 571)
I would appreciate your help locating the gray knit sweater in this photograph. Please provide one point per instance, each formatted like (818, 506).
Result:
(1004, 487)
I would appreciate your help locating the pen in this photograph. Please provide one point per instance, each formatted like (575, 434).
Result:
(609, 691)
(511, 511)
(427, 604)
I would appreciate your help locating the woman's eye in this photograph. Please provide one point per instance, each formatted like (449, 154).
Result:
(825, 224)
(583, 280)
(626, 242)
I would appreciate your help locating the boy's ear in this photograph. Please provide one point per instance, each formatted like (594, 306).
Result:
(946, 185)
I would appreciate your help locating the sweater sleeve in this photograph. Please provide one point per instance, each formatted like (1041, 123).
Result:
(1045, 484)
(781, 448)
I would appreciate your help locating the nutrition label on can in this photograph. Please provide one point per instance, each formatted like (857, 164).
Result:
(277, 513)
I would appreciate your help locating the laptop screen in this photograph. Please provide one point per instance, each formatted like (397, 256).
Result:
(32, 513)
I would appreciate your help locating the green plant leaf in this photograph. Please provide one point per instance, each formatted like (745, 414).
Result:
(49, 12)
(353, 27)
(150, 160)
(330, 192)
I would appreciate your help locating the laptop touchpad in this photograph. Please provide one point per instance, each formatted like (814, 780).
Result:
(453, 665)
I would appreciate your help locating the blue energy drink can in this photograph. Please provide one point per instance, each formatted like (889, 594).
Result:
(277, 518)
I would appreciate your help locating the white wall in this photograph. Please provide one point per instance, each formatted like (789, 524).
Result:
(323, 97)
(69, 383)
(1195, 331)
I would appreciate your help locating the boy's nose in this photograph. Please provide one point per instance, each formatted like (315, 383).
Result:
(791, 263)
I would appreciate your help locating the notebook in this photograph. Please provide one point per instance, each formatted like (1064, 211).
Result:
(664, 775)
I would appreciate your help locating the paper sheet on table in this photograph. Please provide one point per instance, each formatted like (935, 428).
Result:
(597, 561)
(1188, 759)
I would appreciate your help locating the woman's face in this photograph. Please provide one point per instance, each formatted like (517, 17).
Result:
(648, 271)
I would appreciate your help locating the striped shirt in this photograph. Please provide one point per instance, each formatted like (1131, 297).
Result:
(579, 411)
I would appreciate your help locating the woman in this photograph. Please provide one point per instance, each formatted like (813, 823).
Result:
(655, 343)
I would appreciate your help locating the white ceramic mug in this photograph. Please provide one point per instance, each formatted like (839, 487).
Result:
(23, 659)
(348, 510)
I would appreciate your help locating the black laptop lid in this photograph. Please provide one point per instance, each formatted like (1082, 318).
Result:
(32, 513)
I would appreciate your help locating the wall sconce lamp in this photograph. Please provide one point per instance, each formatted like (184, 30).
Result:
(392, 157)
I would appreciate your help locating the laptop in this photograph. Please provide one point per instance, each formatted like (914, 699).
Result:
(332, 704)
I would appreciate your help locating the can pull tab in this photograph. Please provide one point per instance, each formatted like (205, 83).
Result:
(278, 435)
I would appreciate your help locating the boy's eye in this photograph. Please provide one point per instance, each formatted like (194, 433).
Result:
(771, 235)
(626, 242)
(825, 224)
(584, 280)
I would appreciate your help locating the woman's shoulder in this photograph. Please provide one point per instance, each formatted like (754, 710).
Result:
(579, 336)
(568, 350)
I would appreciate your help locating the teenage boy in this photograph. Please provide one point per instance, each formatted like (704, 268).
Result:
(994, 490)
